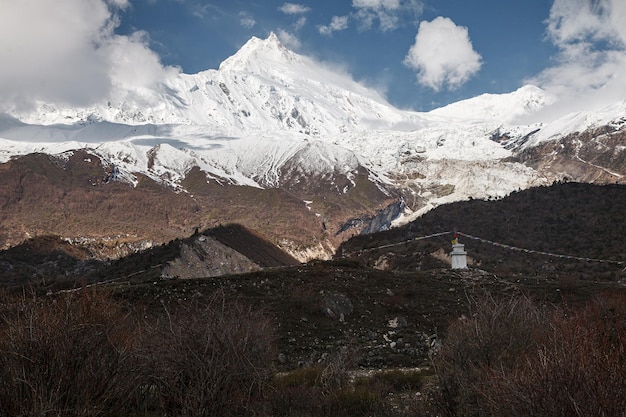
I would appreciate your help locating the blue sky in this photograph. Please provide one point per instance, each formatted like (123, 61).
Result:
(510, 38)
(420, 54)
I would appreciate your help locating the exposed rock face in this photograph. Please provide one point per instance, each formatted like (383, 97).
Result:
(375, 223)
(225, 250)
(383, 219)
(323, 250)
(206, 257)
(597, 156)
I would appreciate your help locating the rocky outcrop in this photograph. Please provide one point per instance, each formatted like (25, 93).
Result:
(376, 223)
(206, 257)
(595, 156)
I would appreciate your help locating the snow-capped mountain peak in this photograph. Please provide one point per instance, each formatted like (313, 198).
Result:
(264, 85)
(267, 112)
(258, 51)
(501, 107)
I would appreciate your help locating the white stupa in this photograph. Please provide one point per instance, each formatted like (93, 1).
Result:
(458, 254)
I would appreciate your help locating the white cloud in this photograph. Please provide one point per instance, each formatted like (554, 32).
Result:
(388, 13)
(576, 21)
(443, 55)
(299, 24)
(590, 68)
(292, 8)
(290, 40)
(132, 63)
(66, 52)
(246, 20)
(336, 23)
(296, 10)
(119, 3)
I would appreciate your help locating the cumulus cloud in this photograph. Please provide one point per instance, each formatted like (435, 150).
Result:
(293, 8)
(337, 23)
(246, 20)
(66, 52)
(443, 55)
(296, 10)
(132, 64)
(590, 67)
(388, 13)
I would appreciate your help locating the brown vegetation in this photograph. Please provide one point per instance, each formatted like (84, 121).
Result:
(70, 356)
(516, 358)
(47, 195)
(210, 358)
(79, 354)
(578, 369)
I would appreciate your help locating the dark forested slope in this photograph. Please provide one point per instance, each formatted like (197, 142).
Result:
(575, 219)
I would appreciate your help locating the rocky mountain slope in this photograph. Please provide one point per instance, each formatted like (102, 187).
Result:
(390, 305)
(49, 263)
(276, 142)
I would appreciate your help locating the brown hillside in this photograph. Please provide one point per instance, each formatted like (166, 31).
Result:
(591, 156)
(394, 317)
(580, 220)
(54, 263)
(67, 196)
(43, 259)
(254, 246)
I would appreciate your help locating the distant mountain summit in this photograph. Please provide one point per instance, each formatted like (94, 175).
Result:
(287, 146)
(498, 107)
(257, 51)
(264, 85)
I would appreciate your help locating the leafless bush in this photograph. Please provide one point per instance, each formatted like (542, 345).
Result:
(211, 359)
(580, 370)
(68, 356)
(305, 391)
(330, 389)
(513, 358)
(494, 336)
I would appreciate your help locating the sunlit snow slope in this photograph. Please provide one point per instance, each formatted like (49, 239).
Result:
(267, 108)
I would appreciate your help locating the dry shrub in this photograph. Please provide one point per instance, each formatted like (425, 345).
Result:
(494, 336)
(311, 390)
(72, 355)
(355, 402)
(580, 370)
(329, 389)
(513, 358)
(211, 359)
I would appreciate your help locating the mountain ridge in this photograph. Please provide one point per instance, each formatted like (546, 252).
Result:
(269, 119)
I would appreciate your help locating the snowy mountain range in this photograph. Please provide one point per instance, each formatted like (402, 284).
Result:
(270, 118)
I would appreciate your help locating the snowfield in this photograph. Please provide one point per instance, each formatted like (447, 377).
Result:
(266, 107)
